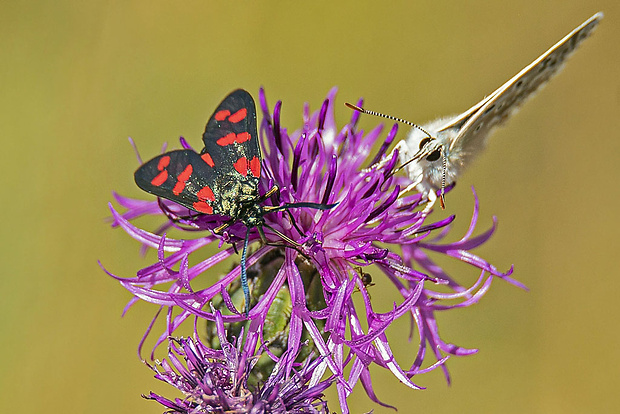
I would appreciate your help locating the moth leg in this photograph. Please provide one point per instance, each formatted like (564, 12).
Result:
(292, 244)
(274, 189)
(220, 229)
(284, 237)
(290, 215)
(269, 209)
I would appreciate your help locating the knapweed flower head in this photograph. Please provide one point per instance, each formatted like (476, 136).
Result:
(216, 380)
(304, 293)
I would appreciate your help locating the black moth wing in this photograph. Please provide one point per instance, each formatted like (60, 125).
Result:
(184, 177)
(231, 138)
(223, 178)
(232, 149)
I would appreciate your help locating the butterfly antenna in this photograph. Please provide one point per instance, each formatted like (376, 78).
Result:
(244, 275)
(442, 201)
(393, 118)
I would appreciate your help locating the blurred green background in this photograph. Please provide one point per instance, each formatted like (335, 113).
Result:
(78, 78)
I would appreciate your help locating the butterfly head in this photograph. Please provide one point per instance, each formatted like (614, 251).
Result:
(431, 153)
(430, 149)
(428, 167)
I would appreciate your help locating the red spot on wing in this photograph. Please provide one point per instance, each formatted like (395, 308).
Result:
(242, 137)
(182, 179)
(163, 162)
(234, 138)
(202, 207)
(239, 115)
(255, 167)
(178, 188)
(160, 178)
(242, 166)
(227, 139)
(221, 115)
(206, 194)
(187, 172)
(206, 157)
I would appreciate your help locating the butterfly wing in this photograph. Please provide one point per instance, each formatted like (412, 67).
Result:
(184, 177)
(475, 125)
(462, 137)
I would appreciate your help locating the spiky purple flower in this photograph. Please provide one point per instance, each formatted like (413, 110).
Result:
(216, 381)
(312, 286)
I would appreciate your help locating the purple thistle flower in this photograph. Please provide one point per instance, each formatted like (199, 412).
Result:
(216, 381)
(371, 225)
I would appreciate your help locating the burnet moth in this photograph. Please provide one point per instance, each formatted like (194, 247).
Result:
(223, 179)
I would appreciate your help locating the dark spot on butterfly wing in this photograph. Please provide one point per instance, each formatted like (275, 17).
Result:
(489, 109)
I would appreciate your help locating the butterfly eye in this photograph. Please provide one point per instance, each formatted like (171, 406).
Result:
(424, 142)
(434, 156)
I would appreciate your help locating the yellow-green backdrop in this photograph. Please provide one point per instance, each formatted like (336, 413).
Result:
(77, 78)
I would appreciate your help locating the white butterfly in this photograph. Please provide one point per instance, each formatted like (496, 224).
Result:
(436, 153)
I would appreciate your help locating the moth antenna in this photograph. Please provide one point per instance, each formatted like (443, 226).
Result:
(393, 118)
